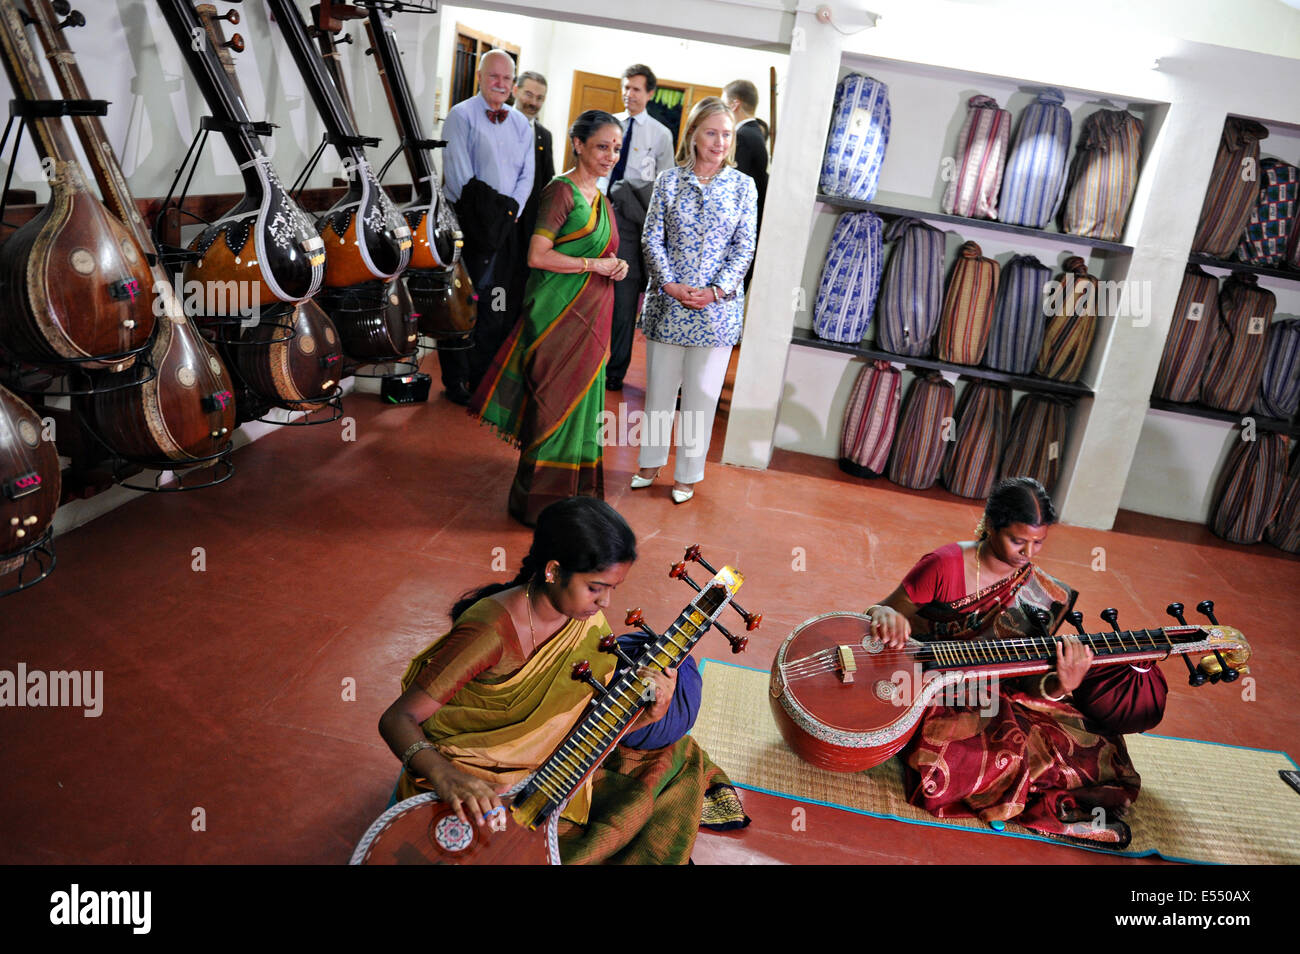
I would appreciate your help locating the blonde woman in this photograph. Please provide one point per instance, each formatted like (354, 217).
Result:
(698, 243)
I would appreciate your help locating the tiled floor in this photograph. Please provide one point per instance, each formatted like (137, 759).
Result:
(245, 679)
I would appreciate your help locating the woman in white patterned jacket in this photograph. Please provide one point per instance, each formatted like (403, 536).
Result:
(698, 243)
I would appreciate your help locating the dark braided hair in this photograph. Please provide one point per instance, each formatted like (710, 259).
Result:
(1017, 500)
(583, 534)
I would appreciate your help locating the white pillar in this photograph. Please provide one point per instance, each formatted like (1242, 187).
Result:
(802, 123)
(1106, 428)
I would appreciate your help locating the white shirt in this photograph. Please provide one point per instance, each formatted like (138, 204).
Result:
(652, 149)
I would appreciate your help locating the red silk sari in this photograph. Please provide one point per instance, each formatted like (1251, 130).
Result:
(1043, 764)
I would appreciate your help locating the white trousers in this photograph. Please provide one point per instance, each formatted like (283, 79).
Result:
(699, 373)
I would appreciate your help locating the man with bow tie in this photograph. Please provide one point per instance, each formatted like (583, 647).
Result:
(488, 175)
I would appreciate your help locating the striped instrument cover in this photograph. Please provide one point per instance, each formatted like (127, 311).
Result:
(981, 157)
(1236, 363)
(1234, 187)
(1284, 531)
(1249, 492)
(1272, 223)
(859, 135)
(1019, 317)
(850, 279)
(968, 307)
(911, 296)
(1191, 335)
(1104, 175)
(1279, 390)
(983, 415)
(1034, 183)
(1036, 440)
(918, 450)
(870, 419)
(1072, 326)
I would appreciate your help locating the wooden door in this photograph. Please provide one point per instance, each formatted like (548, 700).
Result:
(590, 91)
(596, 91)
(470, 45)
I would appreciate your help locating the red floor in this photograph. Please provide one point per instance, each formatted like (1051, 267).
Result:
(328, 564)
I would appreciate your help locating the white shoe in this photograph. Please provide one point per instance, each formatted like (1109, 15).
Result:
(640, 483)
(681, 496)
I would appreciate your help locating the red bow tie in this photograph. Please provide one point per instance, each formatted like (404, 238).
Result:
(496, 115)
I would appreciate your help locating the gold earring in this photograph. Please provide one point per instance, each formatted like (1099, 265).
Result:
(980, 530)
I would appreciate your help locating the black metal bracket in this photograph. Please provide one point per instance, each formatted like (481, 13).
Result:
(39, 552)
(213, 124)
(345, 140)
(52, 108)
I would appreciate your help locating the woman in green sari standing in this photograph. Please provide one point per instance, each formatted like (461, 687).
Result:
(545, 390)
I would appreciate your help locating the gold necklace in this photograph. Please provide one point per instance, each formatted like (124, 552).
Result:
(532, 632)
(977, 564)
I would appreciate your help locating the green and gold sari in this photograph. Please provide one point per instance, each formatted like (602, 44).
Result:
(545, 390)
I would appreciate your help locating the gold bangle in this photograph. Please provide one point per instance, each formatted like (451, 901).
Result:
(584, 266)
(412, 749)
(1042, 687)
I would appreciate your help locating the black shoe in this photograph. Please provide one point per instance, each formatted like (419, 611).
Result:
(611, 385)
(458, 393)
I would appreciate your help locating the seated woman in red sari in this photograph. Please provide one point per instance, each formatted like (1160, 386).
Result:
(545, 390)
(1051, 754)
(488, 702)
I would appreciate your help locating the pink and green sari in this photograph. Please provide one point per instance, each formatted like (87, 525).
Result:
(545, 390)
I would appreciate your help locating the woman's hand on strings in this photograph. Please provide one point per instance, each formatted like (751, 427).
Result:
(1072, 661)
(664, 684)
(891, 626)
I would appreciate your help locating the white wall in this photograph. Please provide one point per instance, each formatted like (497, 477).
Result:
(556, 49)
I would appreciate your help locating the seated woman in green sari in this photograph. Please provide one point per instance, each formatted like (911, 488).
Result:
(488, 702)
(545, 390)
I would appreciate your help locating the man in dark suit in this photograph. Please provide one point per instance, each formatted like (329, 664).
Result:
(741, 97)
(530, 94)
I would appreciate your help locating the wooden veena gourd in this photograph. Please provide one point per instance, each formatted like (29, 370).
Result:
(366, 238)
(185, 412)
(845, 702)
(266, 240)
(29, 481)
(74, 281)
(291, 354)
(441, 291)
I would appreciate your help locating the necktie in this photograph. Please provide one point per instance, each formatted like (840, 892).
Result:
(621, 166)
(496, 115)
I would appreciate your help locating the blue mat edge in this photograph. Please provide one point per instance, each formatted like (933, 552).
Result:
(990, 831)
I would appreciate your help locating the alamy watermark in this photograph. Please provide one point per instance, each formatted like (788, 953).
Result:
(36, 688)
(633, 428)
(210, 299)
(82, 907)
(976, 691)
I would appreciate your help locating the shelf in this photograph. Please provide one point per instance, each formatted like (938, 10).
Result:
(1277, 424)
(1021, 382)
(1289, 274)
(988, 225)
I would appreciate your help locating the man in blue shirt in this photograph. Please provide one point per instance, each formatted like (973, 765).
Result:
(647, 151)
(488, 175)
